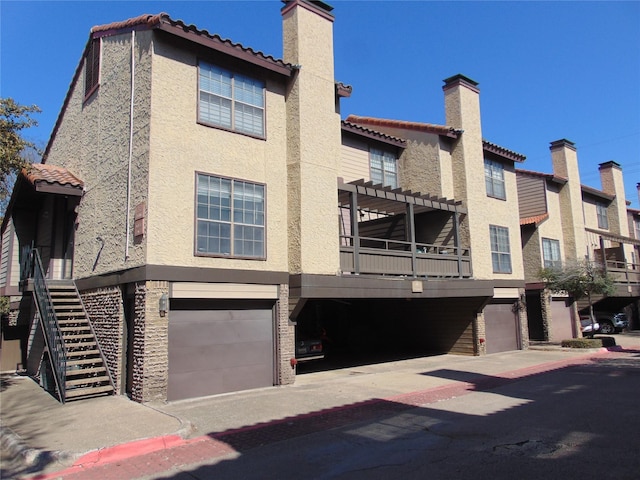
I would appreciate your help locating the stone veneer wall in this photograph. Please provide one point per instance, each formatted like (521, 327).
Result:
(480, 333)
(150, 343)
(106, 314)
(285, 338)
(524, 322)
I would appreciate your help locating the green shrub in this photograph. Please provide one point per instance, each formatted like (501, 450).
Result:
(597, 342)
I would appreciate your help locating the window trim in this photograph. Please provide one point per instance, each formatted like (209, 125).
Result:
(93, 58)
(551, 263)
(498, 252)
(232, 129)
(196, 253)
(492, 164)
(602, 216)
(383, 171)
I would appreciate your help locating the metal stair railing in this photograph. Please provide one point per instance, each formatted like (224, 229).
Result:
(52, 334)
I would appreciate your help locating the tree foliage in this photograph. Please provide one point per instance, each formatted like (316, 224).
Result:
(580, 280)
(14, 118)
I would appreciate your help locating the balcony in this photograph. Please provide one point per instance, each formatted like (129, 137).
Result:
(391, 232)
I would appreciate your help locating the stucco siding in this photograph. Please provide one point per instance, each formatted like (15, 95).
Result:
(93, 143)
(181, 147)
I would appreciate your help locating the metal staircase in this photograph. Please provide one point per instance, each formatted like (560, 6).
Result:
(76, 363)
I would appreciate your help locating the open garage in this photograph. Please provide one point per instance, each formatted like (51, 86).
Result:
(375, 330)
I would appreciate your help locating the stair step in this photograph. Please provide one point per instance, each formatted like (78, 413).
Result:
(76, 328)
(72, 372)
(83, 392)
(70, 315)
(75, 344)
(87, 381)
(55, 292)
(82, 353)
(80, 336)
(84, 361)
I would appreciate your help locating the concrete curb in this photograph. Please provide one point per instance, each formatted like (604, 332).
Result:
(217, 445)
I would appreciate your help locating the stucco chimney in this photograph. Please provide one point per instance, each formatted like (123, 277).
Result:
(313, 138)
(564, 158)
(613, 184)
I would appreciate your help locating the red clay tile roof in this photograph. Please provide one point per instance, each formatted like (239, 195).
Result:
(547, 176)
(415, 126)
(178, 27)
(51, 174)
(503, 152)
(367, 132)
(535, 220)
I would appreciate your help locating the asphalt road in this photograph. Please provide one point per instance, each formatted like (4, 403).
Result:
(579, 422)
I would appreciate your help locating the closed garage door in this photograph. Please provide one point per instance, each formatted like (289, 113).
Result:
(561, 323)
(217, 351)
(501, 328)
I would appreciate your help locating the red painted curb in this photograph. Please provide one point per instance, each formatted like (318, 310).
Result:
(138, 448)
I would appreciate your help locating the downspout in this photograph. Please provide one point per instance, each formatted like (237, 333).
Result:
(133, 76)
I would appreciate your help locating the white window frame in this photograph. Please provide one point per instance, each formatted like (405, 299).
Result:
(494, 179)
(230, 100)
(230, 220)
(551, 257)
(500, 249)
(601, 214)
(383, 167)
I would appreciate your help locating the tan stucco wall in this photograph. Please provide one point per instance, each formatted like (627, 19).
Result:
(181, 147)
(313, 143)
(462, 108)
(93, 143)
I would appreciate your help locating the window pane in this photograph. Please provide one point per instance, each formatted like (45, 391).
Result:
(500, 250)
(249, 119)
(248, 90)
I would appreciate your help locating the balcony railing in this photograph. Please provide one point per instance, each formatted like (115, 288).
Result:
(623, 272)
(380, 256)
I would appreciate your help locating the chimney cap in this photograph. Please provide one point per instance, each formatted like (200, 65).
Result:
(317, 3)
(610, 164)
(563, 142)
(462, 80)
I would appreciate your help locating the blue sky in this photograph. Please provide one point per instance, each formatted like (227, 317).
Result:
(547, 70)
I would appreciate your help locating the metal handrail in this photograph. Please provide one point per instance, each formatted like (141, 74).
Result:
(421, 248)
(52, 334)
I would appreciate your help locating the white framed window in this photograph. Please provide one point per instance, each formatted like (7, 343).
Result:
(230, 217)
(637, 225)
(601, 212)
(500, 250)
(383, 167)
(494, 179)
(230, 100)
(551, 253)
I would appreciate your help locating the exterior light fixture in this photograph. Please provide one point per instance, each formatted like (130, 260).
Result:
(163, 304)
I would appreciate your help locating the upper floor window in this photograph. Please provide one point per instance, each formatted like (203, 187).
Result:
(500, 250)
(601, 212)
(384, 167)
(230, 100)
(230, 217)
(637, 224)
(551, 253)
(494, 179)
(92, 67)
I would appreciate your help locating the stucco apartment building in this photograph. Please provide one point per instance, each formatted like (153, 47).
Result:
(210, 208)
(564, 221)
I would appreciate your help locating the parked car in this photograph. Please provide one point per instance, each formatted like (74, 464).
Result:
(588, 330)
(309, 349)
(607, 322)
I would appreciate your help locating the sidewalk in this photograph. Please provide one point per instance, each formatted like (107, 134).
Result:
(41, 436)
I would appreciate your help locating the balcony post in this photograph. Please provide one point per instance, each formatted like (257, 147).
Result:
(456, 239)
(355, 234)
(411, 234)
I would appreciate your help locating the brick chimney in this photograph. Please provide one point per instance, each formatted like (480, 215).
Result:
(613, 184)
(313, 137)
(564, 158)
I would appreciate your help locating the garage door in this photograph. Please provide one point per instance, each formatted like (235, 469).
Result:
(218, 351)
(561, 326)
(501, 328)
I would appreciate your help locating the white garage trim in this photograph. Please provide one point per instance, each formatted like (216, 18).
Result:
(223, 290)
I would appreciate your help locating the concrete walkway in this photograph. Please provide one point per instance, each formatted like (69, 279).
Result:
(78, 439)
